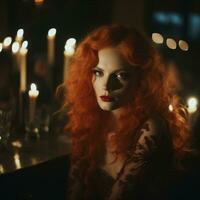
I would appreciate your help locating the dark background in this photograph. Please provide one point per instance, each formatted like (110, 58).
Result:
(178, 19)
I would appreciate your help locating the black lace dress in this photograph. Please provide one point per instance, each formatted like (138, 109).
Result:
(143, 175)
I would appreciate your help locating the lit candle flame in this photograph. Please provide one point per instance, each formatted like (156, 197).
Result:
(7, 41)
(157, 38)
(20, 33)
(183, 45)
(71, 42)
(192, 103)
(25, 44)
(33, 87)
(15, 47)
(52, 32)
(171, 108)
(171, 43)
(69, 50)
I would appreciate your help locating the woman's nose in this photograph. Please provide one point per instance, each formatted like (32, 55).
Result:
(111, 83)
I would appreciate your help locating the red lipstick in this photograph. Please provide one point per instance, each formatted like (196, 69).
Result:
(106, 98)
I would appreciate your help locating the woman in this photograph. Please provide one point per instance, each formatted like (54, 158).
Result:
(124, 136)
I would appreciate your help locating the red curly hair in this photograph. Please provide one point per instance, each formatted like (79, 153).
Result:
(153, 95)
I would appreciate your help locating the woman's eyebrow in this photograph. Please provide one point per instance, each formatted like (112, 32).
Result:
(115, 71)
(98, 68)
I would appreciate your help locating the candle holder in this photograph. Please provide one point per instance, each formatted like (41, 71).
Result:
(32, 131)
(31, 124)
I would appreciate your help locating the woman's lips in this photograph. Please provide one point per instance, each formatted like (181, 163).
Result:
(107, 98)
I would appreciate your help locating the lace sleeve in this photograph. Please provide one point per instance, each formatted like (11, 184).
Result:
(75, 184)
(148, 156)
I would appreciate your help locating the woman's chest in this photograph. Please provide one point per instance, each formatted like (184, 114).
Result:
(113, 163)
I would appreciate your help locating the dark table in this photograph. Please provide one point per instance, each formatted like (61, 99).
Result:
(35, 168)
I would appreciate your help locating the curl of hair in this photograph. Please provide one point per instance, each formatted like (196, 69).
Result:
(153, 95)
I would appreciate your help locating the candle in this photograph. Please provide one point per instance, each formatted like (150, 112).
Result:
(15, 47)
(19, 36)
(1, 47)
(15, 53)
(192, 103)
(33, 94)
(24, 44)
(23, 54)
(17, 161)
(68, 53)
(51, 46)
(7, 42)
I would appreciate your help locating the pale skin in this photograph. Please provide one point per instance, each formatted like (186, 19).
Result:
(115, 78)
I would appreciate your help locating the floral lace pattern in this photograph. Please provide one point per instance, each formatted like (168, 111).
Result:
(146, 163)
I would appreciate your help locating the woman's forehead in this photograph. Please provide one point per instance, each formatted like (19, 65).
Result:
(111, 56)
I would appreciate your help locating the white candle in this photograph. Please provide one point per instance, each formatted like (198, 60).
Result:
(68, 53)
(19, 36)
(33, 94)
(15, 47)
(51, 46)
(23, 54)
(192, 104)
(7, 42)
(15, 53)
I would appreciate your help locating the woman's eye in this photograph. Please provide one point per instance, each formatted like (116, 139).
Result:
(97, 73)
(123, 75)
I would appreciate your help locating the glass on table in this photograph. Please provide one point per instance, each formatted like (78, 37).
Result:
(39, 126)
(6, 117)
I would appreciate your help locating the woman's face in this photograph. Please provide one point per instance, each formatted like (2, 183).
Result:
(113, 80)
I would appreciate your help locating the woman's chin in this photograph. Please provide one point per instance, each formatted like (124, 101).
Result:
(108, 106)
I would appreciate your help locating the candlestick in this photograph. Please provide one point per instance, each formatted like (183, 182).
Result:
(51, 46)
(7, 42)
(23, 54)
(15, 53)
(19, 36)
(33, 94)
(68, 53)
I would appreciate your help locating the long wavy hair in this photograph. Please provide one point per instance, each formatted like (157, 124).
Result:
(153, 95)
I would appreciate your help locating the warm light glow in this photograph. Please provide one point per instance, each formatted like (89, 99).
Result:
(171, 43)
(17, 144)
(1, 47)
(192, 103)
(20, 33)
(1, 169)
(15, 47)
(171, 108)
(183, 45)
(17, 161)
(39, 2)
(71, 42)
(33, 92)
(34, 161)
(23, 51)
(7, 41)
(157, 38)
(52, 32)
(25, 44)
(69, 51)
(33, 87)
